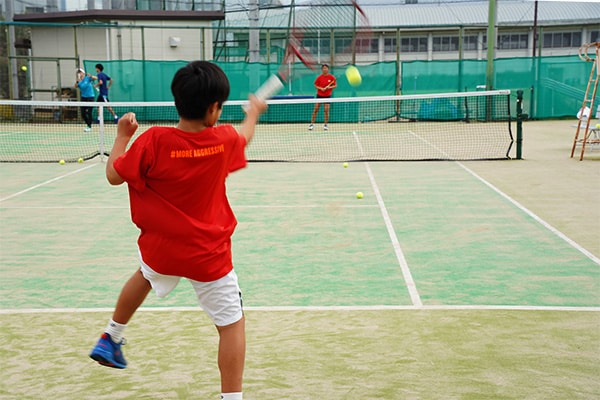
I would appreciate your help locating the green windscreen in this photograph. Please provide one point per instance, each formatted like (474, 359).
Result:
(553, 87)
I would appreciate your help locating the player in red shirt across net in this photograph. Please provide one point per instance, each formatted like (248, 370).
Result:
(325, 83)
(176, 181)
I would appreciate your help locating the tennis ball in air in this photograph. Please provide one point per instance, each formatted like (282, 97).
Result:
(353, 76)
(345, 165)
(597, 126)
(24, 68)
(62, 162)
(359, 195)
(80, 160)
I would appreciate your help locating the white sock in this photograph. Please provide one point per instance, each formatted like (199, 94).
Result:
(115, 330)
(231, 396)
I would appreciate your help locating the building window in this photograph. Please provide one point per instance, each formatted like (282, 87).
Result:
(595, 36)
(366, 45)
(512, 41)
(389, 45)
(343, 44)
(445, 43)
(316, 45)
(413, 45)
(470, 42)
(562, 39)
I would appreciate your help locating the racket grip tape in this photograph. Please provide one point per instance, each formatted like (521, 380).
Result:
(268, 89)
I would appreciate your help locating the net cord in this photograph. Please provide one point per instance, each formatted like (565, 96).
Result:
(272, 101)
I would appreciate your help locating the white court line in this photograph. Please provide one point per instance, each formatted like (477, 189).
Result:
(65, 208)
(406, 274)
(320, 206)
(534, 216)
(518, 205)
(311, 308)
(46, 182)
(302, 206)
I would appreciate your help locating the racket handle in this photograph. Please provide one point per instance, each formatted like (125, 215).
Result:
(267, 90)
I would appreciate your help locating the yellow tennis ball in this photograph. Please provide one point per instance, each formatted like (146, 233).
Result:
(80, 160)
(597, 126)
(359, 195)
(61, 162)
(24, 68)
(345, 165)
(353, 76)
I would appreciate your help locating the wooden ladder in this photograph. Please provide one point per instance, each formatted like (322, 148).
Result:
(588, 101)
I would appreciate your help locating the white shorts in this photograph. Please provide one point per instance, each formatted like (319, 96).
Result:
(220, 299)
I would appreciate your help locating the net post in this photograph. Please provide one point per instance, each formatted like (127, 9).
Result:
(519, 123)
(101, 133)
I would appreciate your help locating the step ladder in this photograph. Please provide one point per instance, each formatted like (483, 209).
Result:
(586, 135)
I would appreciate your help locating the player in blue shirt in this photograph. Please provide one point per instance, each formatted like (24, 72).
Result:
(85, 85)
(104, 83)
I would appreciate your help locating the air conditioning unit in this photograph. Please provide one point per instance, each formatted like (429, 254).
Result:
(174, 41)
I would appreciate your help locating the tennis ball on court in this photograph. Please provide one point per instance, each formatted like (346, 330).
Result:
(61, 162)
(345, 165)
(80, 160)
(24, 68)
(597, 126)
(353, 76)
(359, 195)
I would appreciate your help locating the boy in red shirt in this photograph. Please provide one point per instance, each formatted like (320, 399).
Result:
(176, 181)
(325, 83)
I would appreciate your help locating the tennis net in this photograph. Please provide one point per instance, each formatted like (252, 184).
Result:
(455, 126)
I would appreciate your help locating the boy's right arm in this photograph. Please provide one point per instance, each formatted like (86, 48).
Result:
(125, 130)
(255, 107)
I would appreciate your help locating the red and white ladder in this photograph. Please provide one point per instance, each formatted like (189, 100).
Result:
(588, 135)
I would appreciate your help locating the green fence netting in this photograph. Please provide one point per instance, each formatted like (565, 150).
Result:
(553, 87)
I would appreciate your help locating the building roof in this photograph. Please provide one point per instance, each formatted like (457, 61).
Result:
(429, 15)
(112, 15)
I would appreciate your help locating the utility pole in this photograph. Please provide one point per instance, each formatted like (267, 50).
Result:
(12, 65)
(254, 33)
(535, 35)
(491, 43)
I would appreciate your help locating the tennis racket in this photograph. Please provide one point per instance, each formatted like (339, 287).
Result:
(306, 24)
(329, 85)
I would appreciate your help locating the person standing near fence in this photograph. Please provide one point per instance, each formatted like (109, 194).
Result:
(86, 88)
(325, 83)
(104, 84)
(176, 179)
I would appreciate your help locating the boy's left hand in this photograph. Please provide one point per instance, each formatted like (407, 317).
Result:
(127, 125)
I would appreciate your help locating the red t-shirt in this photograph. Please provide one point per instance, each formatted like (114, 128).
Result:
(178, 199)
(323, 81)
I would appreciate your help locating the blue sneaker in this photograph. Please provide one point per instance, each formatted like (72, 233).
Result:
(108, 353)
(116, 120)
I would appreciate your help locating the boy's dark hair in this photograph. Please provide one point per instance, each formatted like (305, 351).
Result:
(196, 86)
(325, 65)
(100, 67)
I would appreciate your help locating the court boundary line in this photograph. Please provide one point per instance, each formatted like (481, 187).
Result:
(127, 207)
(314, 308)
(46, 182)
(521, 207)
(405, 269)
(530, 213)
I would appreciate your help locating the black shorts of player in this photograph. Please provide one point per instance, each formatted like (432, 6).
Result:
(323, 97)
(102, 99)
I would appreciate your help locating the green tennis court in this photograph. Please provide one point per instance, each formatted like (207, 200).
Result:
(447, 280)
